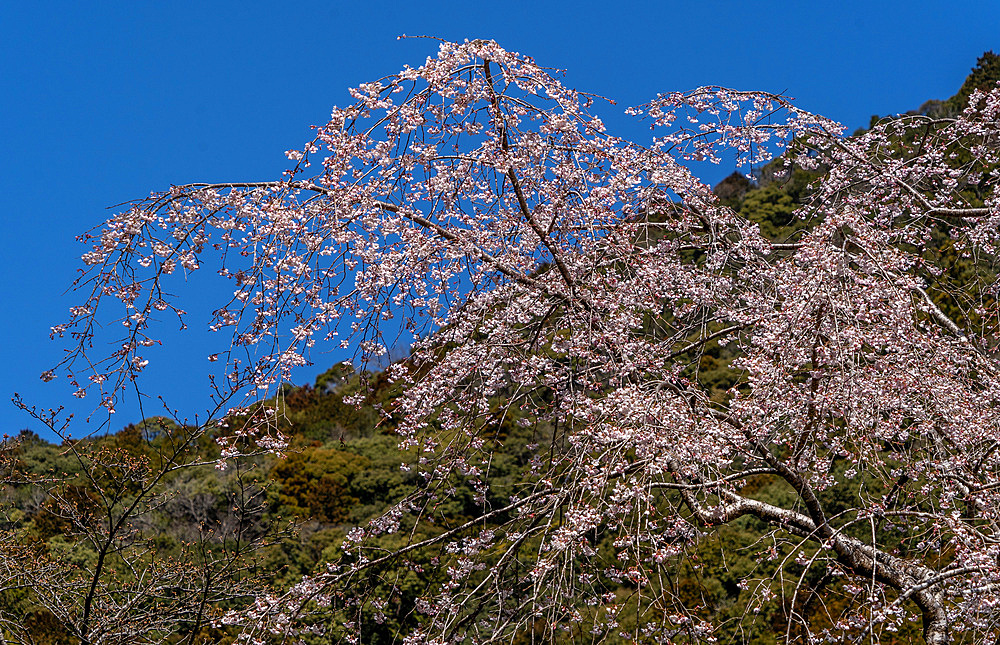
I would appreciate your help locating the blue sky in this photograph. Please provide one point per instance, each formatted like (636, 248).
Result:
(104, 102)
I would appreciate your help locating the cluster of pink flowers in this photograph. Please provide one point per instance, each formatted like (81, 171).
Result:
(478, 205)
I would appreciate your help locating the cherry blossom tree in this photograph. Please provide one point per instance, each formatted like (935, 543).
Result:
(560, 279)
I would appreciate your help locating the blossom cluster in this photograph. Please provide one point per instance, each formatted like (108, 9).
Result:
(480, 208)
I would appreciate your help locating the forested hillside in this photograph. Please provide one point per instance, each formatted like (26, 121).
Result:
(132, 537)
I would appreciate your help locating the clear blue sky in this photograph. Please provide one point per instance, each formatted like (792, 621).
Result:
(104, 102)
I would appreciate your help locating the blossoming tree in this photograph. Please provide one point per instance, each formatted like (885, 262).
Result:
(564, 279)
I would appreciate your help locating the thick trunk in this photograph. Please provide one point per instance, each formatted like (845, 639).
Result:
(863, 559)
(935, 620)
